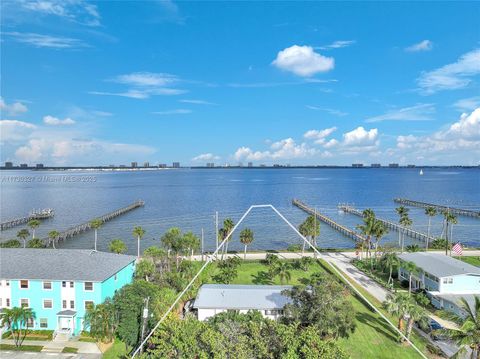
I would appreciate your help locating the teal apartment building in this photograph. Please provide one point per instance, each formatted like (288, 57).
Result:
(60, 284)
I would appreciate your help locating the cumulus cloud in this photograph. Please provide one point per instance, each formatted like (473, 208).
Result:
(453, 76)
(13, 130)
(54, 121)
(12, 109)
(361, 137)
(280, 150)
(425, 45)
(420, 112)
(206, 157)
(319, 136)
(303, 61)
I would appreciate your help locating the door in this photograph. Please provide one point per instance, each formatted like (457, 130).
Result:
(65, 323)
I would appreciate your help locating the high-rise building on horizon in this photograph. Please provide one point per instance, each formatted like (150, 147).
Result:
(376, 165)
(8, 165)
(176, 164)
(134, 165)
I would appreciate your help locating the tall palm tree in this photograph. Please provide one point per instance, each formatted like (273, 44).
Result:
(23, 234)
(412, 269)
(390, 260)
(415, 314)
(33, 224)
(282, 269)
(138, 232)
(398, 305)
(246, 238)
(228, 225)
(96, 224)
(191, 243)
(367, 228)
(402, 212)
(468, 333)
(379, 231)
(117, 246)
(430, 212)
(17, 319)
(405, 222)
(53, 236)
(449, 220)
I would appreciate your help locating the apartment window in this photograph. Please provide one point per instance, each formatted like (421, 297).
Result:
(274, 312)
(88, 286)
(47, 285)
(64, 284)
(88, 304)
(7, 283)
(47, 304)
(24, 303)
(24, 284)
(43, 323)
(64, 304)
(30, 322)
(7, 302)
(450, 280)
(71, 284)
(72, 304)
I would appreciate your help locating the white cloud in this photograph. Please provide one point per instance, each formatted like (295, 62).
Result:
(468, 104)
(304, 81)
(419, 112)
(180, 111)
(280, 150)
(452, 76)
(338, 44)
(39, 40)
(360, 137)
(206, 157)
(12, 109)
(328, 110)
(197, 102)
(303, 61)
(78, 11)
(13, 130)
(468, 127)
(54, 121)
(331, 143)
(319, 136)
(425, 45)
(141, 79)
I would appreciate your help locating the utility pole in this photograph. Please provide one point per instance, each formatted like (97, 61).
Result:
(202, 244)
(315, 230)
(144, 320)
(216, 233)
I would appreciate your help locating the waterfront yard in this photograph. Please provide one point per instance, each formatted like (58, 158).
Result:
(471, 260)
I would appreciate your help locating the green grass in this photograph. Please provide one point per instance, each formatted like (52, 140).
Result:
(69, 350)
(373, 337)
(23, 348)
(117, 350)
(471, 260)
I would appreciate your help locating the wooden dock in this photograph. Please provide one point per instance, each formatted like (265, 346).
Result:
(73, 231)
(347, 232)
(440, 208)
(35, 214)
(389, 224)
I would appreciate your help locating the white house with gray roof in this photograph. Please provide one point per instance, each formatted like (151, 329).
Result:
(60, 284)
(445, 279)
(213, 299)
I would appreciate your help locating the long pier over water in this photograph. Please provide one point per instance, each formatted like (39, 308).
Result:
(40, 214)
(73, 231)
(459, 211)
(389, 224)
(347, 232)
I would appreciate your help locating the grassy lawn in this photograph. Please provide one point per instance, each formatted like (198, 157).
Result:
(471, 260)
(117, 350)
(69, 350)
(23, 348)
(373, 338)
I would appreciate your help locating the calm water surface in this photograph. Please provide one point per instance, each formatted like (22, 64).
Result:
(189, 198)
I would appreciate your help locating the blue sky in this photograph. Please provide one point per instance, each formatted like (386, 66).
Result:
(98, 83)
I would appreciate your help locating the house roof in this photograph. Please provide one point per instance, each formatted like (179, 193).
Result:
(60, 264)
(455, 298)
(225, 296)
(439, 265)
(67, 313)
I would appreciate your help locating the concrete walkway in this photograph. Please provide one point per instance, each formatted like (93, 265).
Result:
(56, 347)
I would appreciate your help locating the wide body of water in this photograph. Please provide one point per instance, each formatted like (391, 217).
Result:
(188, 198)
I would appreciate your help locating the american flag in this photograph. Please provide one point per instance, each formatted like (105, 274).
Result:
(457, 248)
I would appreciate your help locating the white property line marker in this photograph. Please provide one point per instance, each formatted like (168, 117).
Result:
(209, 259)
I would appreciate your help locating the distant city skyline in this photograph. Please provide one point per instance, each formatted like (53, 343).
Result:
(333, 83)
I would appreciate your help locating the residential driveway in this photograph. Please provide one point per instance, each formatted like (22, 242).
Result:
(29, 355)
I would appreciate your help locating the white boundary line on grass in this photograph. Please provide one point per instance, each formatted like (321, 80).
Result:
(209, 259)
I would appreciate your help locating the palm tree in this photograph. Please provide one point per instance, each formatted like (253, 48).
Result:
(379, 231)
(430, 212)
(310, 228)
(468, 333)
(246, 238)
(33, 224)
(415, 313)
(17, 319)
(283, 272)
(412, 269)
(23, 234)
(228, 225)
(191, 243)
(390, 260)
(398, 306)
(405, 222)
(402, 212)
(53, 236)
(96, 224)
(449, 219)
(117, 246)
(138, 232)
(367, 228)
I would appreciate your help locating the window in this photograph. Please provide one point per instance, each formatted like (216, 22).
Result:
(7, 302)
(450, 280)
(115, 276)
(30, 322)
(72, 304)
(64, 284)
(64, 304)
(43, 323)
(47, 285)
(71, 284)
(7, 283)
(88, 304)
(274, 312)
(24, 303)
(24, 284)
(88, 286)
(47, 304)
